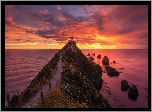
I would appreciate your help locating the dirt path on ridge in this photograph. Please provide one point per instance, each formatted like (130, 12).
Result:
(32, 103)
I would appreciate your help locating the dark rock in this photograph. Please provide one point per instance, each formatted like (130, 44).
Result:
(133, 85)
(105, 60)
(99, 68)
(111, 71)
(88, 54)
(133, 93)
(93, 54)
(146, 89)
(91, 59)
(14, 101)
(121, 68)
(26, 95)
(99, 56)
(124, 85)
(114, 62)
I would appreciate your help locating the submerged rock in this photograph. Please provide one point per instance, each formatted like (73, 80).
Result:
(111, 71)
(124, 85)
(105, 60)
(146, 89)
(88, 54)
(133, 93)
(91, 59)
(93, 54)
(99, 56)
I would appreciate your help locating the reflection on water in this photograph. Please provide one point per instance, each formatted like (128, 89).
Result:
(133, 67)
(21, 66)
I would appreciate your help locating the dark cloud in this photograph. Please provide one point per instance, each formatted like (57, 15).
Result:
(40, 32)
(142, 43)
(126, 29)
(100, 21)
(105, 42)
(131, 18)
(29, 16)
(61, 39)
(46, 33)
(25, 30)
(142, 35)
(18, 39)
(71, 17)
(29, 41)
(87, 39)
(121, 20)
(7, 22)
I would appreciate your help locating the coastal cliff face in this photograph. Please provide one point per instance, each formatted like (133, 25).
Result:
(78, 84)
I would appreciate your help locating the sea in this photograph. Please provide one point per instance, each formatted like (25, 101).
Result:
(21, 66)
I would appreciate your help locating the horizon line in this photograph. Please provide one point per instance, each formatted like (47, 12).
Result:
(79, 48)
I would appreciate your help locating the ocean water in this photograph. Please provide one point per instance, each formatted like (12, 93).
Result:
(21, 66)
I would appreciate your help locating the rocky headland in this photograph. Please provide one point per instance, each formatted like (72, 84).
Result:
(69, 80)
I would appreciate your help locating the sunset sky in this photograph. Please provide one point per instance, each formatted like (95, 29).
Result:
(92, 26)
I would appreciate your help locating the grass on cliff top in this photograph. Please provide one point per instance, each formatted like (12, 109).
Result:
(56, 99)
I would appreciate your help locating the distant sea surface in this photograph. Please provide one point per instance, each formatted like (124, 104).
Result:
(21, 66)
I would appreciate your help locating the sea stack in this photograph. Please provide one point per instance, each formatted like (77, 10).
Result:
(124, 85)
(133, 92)
(111, 71)
(105, 60)
(99, 56)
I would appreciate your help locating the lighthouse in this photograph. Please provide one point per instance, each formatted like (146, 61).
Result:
(72, 45)
(71, 39)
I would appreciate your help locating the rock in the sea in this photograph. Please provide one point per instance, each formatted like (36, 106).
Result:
(111, 71)
(146, 89)
(133, 85)
(88, 54)
(91, 59)
(114, 61)
(105, 60)
(133, 93)
(124, 85)
(93, 54)
(99, 56)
